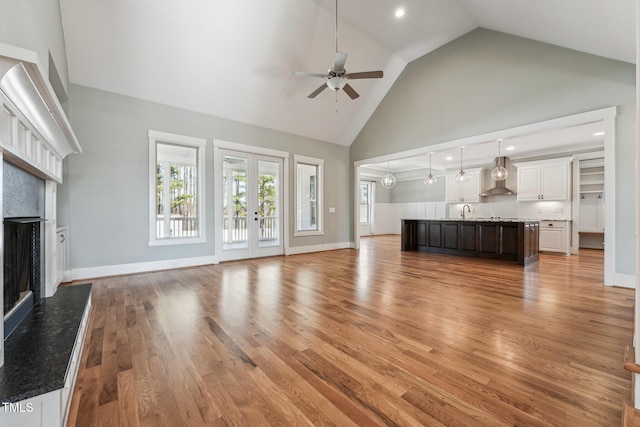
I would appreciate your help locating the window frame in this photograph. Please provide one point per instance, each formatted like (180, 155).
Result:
(156, 137)
(319, 193)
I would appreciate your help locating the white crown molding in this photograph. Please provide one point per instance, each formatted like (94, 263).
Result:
(24, 82)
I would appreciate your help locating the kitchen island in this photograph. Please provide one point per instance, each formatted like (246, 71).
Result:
(506, 239)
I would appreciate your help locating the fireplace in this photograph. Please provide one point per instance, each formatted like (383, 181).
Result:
(22, 269)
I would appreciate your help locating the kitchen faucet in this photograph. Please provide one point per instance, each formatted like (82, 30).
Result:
(462, 213)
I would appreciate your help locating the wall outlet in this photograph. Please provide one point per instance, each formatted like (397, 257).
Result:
(332, 210)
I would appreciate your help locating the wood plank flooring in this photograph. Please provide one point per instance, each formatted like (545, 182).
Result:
(371, 337)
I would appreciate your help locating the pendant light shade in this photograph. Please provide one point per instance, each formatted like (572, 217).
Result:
(462, 176)
(389, 180)
(430, 179)
(499, 173)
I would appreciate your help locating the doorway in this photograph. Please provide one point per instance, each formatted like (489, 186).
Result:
(249, 205)
(606, 115)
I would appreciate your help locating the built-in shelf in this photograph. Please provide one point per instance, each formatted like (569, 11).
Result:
(591, 176)
(591, 206)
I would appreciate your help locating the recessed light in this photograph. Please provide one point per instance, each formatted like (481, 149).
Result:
(511, 148)
(598, 134)
(449, 158)
(400, 12)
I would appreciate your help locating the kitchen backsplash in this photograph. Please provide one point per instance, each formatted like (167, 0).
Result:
(508, 207)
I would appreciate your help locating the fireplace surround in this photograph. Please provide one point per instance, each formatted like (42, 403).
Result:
(35, 137)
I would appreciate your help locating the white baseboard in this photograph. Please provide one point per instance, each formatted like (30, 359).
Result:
(319, 248)
(624, 280)
(139, 267)
(144, 267)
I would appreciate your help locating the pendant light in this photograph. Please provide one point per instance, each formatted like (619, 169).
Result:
(499, 173)
(462, 176)
(430, 179)
(389, 180)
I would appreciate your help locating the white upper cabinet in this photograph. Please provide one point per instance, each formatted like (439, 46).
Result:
(544, 180)
(466, 192)
(528, 183)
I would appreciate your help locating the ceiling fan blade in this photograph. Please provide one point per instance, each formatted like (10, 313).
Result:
(303, 74)
(365, 75)
(341, 58)
(317, 91)
(350, 91)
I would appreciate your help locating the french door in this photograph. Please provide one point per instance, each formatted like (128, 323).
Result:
(249, 220)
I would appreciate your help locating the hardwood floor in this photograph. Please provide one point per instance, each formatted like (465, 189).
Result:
(369, 337)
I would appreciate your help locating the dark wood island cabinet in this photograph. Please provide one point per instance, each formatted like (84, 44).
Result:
(512, 240)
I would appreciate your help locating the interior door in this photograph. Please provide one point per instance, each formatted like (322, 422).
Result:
(249, 220)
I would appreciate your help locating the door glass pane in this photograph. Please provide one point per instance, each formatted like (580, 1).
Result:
(234, 204)
(268, 201)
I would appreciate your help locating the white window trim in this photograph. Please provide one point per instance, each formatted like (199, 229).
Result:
(319, 194)
(198, 143)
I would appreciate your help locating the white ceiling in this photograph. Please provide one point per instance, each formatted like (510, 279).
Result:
(234, 59)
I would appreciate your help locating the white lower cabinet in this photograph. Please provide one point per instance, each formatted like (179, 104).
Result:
(555, 236)
(61, 255)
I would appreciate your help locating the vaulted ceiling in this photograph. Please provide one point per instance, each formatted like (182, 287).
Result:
(234, 59)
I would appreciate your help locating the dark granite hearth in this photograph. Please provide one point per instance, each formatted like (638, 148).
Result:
(38, 352)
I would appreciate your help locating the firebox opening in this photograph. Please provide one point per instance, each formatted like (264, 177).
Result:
(22, 269)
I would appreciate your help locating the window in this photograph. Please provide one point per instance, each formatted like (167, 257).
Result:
(308, 195)
(365, 203)
(176, 189)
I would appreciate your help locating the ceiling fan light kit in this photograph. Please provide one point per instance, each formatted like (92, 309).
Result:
(337, 76)
(336, 83)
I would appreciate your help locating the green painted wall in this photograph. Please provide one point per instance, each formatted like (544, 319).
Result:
(105, 194)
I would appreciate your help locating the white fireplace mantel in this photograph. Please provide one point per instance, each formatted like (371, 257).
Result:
(35, 133)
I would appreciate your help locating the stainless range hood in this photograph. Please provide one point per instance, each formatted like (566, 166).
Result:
(500, 188)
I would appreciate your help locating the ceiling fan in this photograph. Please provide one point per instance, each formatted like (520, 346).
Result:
(337, 75)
